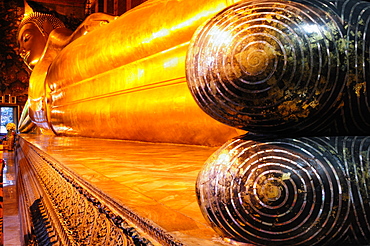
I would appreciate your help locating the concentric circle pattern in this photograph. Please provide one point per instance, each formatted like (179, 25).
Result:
(354, 116)
(302, 191)
(269, 66)
(355, 152)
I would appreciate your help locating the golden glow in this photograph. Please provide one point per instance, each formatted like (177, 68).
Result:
(160, 34)
(200, 15)
(140, 73)
(171, 63)
(56, 95)
(34, 62)
(37, 103)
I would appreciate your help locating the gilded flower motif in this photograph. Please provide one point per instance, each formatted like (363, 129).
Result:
(10, 127)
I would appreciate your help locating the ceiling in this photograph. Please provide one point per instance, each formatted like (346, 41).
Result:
(65, 2)
(74, 8)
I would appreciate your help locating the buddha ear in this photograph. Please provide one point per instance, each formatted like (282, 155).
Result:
(48, 27)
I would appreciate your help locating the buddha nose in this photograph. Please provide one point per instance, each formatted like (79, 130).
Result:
(22, 53)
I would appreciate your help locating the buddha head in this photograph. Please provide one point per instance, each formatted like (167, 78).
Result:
(33, 33)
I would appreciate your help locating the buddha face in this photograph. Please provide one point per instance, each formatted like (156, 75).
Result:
(32, 44)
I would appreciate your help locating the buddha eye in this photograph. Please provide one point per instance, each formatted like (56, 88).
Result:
(26, 37)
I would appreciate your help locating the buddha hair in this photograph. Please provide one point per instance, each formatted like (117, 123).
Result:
(40, 19)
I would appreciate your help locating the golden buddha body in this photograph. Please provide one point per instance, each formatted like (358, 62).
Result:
(123, 80)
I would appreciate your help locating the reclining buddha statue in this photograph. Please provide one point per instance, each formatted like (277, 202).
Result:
(118, 77)
(36, 45)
